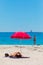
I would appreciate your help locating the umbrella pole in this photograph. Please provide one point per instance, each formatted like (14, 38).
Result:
(20, 46)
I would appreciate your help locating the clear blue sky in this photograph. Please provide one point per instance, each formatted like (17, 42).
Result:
(21, 15)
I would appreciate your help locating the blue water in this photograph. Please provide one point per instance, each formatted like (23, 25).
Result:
(6, 40)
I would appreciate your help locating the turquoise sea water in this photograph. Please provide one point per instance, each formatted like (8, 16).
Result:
(6, 40)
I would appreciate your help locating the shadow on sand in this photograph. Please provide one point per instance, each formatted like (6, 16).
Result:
(17, 58)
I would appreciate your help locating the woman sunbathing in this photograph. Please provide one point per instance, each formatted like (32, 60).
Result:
(16, 55)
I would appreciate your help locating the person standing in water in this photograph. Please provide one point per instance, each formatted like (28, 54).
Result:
(34, 39)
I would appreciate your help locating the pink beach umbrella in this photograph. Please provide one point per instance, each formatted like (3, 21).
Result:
(20, 35)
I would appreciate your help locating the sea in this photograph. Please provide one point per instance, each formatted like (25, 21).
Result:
(5, 39)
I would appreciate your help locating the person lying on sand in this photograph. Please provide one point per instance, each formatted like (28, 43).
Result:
(15, 54)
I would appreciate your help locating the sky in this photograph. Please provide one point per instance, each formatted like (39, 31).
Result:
(21, 15)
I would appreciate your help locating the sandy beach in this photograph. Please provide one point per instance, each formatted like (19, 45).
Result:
(35, 54)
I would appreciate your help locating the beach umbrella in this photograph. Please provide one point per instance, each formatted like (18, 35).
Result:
(20, 35)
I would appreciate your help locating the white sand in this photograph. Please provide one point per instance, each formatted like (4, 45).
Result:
(34, 52)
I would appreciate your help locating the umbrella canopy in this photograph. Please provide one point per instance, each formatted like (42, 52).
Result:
(21, 35)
